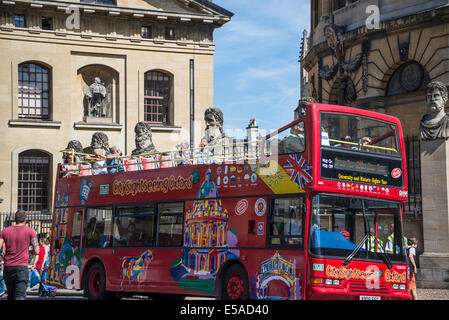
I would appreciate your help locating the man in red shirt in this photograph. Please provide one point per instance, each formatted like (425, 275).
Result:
(17, 240)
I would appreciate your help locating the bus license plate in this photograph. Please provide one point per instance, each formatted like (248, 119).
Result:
(369, 298)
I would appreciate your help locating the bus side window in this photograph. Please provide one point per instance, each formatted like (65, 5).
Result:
(286, 226)
(134, 227)
(98, 228)
(170, 224)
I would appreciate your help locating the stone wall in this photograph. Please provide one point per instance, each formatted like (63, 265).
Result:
(109, 42)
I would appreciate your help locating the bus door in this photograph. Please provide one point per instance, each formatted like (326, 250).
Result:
(65, 260)
(286, 235)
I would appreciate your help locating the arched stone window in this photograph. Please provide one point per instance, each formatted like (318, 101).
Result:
(33, 181)
(34, 91)
(157, 97)
(409, 77)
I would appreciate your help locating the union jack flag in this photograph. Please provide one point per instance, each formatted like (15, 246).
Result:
(298, 169)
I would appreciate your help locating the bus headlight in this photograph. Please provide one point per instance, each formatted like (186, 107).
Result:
(332, 282)
(397, 286)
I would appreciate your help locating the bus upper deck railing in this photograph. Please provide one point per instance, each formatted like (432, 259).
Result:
(192, 156)
(359, 145)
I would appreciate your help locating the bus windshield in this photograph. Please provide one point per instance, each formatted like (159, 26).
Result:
(289, 140)
(339, 223)
(358, 133)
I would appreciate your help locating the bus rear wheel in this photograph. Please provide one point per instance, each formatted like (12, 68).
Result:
(235, 284)
(96, 283)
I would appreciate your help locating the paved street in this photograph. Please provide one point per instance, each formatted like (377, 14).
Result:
(423, 294)
(433, 294)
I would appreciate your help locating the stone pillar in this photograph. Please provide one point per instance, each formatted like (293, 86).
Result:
(252, 133)
(434, 262)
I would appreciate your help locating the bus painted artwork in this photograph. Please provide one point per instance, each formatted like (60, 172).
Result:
(317, 214)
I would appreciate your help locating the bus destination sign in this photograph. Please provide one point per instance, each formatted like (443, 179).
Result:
(361, 168)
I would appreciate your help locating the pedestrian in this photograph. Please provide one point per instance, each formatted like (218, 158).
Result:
(17, 239)
(411, 253)
(2, 281)
(44, 269)
(38, 261)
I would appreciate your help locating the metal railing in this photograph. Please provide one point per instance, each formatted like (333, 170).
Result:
(40, 222)
(235, 152)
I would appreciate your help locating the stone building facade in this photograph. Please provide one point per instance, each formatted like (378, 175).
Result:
(152, 60)
(379, 55)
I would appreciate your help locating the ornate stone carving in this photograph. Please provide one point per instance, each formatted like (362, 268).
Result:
(144, 142)
(335, 41)
(346, 93)
(409, 77)
(435, 124)
(302, 104)
(77, 148)
(99, 141)
(252, 123)
(96, 94)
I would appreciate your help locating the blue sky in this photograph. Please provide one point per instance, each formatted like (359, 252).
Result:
(256, 69)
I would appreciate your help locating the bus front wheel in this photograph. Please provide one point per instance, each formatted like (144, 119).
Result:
(96, 283)
(235, 284)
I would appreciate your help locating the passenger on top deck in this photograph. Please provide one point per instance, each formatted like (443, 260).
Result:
(99, 165)
(294, 142)
(203, 156)
(113, 161)
(184, 156)
(69, 168)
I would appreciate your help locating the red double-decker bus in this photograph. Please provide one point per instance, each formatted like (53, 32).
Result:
(317, 214)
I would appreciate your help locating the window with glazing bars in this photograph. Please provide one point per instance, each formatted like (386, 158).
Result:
(156, 97)
(34, 91)
(413, 162)
(19, 21)
(33, 181)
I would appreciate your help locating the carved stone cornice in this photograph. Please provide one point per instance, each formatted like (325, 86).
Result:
(362, 34)
(216, 17)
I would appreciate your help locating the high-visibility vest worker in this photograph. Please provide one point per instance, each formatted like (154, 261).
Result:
(372, 244)
(390, 241)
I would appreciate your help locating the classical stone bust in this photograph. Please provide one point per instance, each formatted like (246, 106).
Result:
(99, 141)
(214, 125)
(96, 94)
(77, 147)
(144, 142)
(435, 124)
(218, 143)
